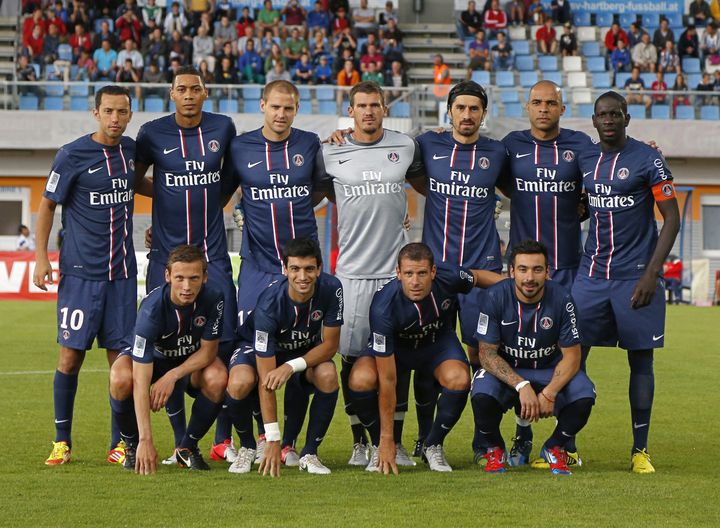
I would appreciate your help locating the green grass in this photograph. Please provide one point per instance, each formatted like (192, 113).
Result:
(90, 492)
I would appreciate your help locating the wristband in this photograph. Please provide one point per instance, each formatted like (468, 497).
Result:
(272, 432)
(546, 396)
(297, 364)
(522, 384)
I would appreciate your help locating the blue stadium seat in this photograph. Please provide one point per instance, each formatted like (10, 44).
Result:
(228, 106)
(547, 63)
(604, 19)
(79, 103)
(524, 63)
(591, 49)
(324, 93)
(208, 105)
(649, 78)
(326, 107)
(521, 47)
(568, 111)
(636, 111)
(504, 78)
(650, 20)
(582, 19)
(626, 19)
(710, 113)
(481, 77)
(466, 45)
(53, 103)
(693, 79)
(28, 102)
(252, 92)
(305, 107)
(685, 112)
(509, 96)
(528, 78)
(601, 80)
(670, 79)
(400, 109)
(251, 106)
(79, 90)
(171, 106)
(596, 64)
(554, 76)
(54, 89)
(154, 104)
(134, 105)
(691, 65)
(304, 93)
(675, 20)
(620, 79)
(513, 110)
(660, 111)
(585, 110)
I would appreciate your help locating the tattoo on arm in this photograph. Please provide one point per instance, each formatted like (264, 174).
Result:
(496, 365)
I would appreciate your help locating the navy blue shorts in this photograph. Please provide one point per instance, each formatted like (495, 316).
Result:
(606, 318)
(251, 282)
(469, 314)
(245, 355)
(427, 358)
(578, 388)
(87, 309)
(219, 278)
(566, 277)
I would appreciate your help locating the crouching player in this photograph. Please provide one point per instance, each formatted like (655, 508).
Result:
(530, 351)
(289, 338)
(176, 337)
(412, 327)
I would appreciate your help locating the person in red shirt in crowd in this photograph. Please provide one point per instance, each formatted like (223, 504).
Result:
(659, 86)
(295, 16)
(244, 20)
(340, 22)
(51, 19)
(128, 27)
(495, 19)
(672, 270)
(372, 55)
(80, 40)
(34, 44)
(30, 23)
(545, 38)
(614, 34)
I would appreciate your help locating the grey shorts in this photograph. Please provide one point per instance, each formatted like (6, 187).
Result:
(357, 295)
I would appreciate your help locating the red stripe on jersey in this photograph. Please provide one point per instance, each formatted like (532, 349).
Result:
(537, 153)
(205, 223)
(557, 159)
(519, 306)
(445, 229)
(612, 245)
(612, 167)
(555, 232)
(268, 163)
(124, 249)
(537, 309)
(107, 162)
(287, 156)
(419, 314)
(273, 218)
(597, 167)
(309, 312)
(182, 143)
(462, 233)
(202, 142)
(292, 219)
(597, 244)
(452, 156)
(187, 218)
(435, 306)
(297, 316)
(122, 157)
(472, 160)
(112, 222)
(179, 320)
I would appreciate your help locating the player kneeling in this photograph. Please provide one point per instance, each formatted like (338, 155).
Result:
(290, 337)
(176, 342)
(530, 351)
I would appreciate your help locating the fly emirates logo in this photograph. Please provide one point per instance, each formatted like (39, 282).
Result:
(546, 182)
(371, 184)
(194, 177)
(602, 198)
(278, 189)
(458, 186)
(120, 194)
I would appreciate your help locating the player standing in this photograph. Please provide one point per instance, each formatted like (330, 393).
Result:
(93, 179)
(619, 289)
(530, 354)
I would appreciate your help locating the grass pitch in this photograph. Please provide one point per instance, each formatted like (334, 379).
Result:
(90, 492)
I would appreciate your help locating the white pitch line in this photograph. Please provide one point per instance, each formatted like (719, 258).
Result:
(43, 372)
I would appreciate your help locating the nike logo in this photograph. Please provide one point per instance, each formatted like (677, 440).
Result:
(587, 173)
(168, 151)
(191, 436)
(61, 421)
(319, 439)
(409, 327)
(168, 335)
(185, 461)
(444, 426)
(507, 323)
(638, 426)
(436, 157)
(92, 171)
(658, 338)
(340, 162)
(251, 165)
(565, 434)
(518, 155)
(170, 415)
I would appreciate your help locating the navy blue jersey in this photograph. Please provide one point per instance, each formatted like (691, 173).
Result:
(186, 205)
(622, 188)
(459, 225)
(397, 323)
(546, 187)
(529, 335)
(280, 326)
(166, 331)
(277, 180)
(94, 184)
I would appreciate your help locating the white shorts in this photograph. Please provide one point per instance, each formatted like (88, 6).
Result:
(357, 296)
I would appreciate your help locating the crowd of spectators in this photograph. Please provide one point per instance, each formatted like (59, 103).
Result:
(131, 42)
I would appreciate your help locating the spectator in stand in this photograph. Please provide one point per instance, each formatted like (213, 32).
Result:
(561, 11)
(479, 53)
(128, 74)
(372, 56)
(275, 56)
(669, 59)
(207, 76)
(295, 16)
(659, 89)
(80, 40)
(688, 43)
(25, 240)
(710, 46)
(269, 18)
(502, 53)
(224, 32)
(250, 35)
(348, 76)
(319, 18)
(51, 41)
(175, 66)
(340, 22)
(392, 52)
(545, 38)
(705, 85)
(26, 72)
(635, 34)
(323, 71)
(372, 74)
(339, 63)
(36, 19)
(278, 73)
(179, 48)
(251, 65)
(151, 11)
(441, 77)
(680, 97)
(370, 40)
(645, 55)
(154, 48)
(195, 9)
(613, 35)
(304, 72)
(395, 78)
(568, 41)
(128, 26)
(620, 58)
(226, 73)
(79, 14)
(228, 51)
(130, 51)
(51, 19)
(363, 18)
(336, 5)
(716, 87)
(700, 12)
(175, 20)
(343, 41)
(663, 34)
(319, 47)
(105, 34)
(203, 48)
(392, 32)
(495, 19)
(266, 44)
(154, 75)
(536, 13)
(386, 15)
(105, 58)
(516, 12)
(128, 5)
(244, 21)
(33, 45)
(470, 21)
(86, 67)
(295, 46)
(672, 272)
(635, 88)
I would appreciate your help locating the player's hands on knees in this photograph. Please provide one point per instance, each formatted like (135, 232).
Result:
(270, 464)
(529, 405)
(337, 137)
(161, 391)
(547, 405)
(386, 457)
(276, 378)
(145, 458)
(148, 237)
(644, 290)
(42, 274)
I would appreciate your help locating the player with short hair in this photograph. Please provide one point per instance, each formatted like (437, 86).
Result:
(186, 150)
(412, 325)
(366, 177)
(530, 355)
(178, 329)
(289, 339)
(619, 288)
(93, 179)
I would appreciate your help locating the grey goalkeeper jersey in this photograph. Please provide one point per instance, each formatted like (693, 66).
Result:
(369, 184)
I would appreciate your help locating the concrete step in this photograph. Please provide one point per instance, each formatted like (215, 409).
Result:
(415, 57)
(8, 21)
(431, 42)
(432, 28)
(425, 75)
(7, 51)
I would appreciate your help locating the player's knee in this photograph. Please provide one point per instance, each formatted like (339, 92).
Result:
(325, 377)
(121, 382)
(70, 360)
(214, 382)
(455, 378)
(363, 378)
(241, 382)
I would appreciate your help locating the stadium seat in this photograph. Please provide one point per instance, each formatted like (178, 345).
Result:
(582, 96)
(675, 20)
(154, 104)
(710, 113)
(650, 20)
(636, 111)
(134, 105)
(528, 78)
(670, 79)
(521, 47)
(693, 79)
(572, 64)
(252, 92)
(54, 89)
(79, 90)
(305, 94)
(649, 78)
(568, 111)
(590, 49)
(305, 107)
(586, 34)
(251, 106)
(504, 78)
(685, 112)
(517, 33)
(54, 103)
(208, 105)
(620, 79)
(660, 111)
(400, 109)
(228, 106)
(324, 93)
(509, 96)
(554, 76)
(466, 45)
(513, 110)
(596, 64)
(604, 19)
(626, 19)
(327, 107)
(601, 80)
(582, 19)
(65, 52)
(492, 43)
(577, 79)
(481, 77)
(691, 65)
(79, 103)
(524, 63)
(171, 106)
(28, 102)
(585, 110)
(547, 63)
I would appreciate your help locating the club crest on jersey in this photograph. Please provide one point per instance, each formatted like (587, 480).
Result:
(298, 160)
(484, 163)
(214, 145)
(66, 334)
(446, 304)
(199, 321)
(132, 164)
(546, 323)
(394, 157)
(568, 155)
(316, 315)
(623, 173)
(667, 189)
